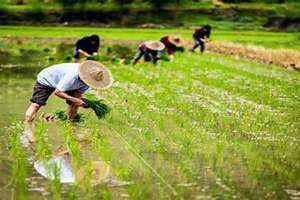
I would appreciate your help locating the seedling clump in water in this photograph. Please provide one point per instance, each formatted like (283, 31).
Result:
(62, 116)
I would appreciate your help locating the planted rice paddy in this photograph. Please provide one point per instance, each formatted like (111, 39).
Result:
(200, 127)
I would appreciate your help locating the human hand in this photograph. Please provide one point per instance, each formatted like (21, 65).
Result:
(78, 102)
(85, 105)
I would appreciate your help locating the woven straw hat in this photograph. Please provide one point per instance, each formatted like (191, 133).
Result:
(155, 45)
(95, 75)
(176, 40)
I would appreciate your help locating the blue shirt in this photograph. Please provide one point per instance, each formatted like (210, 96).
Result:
(64, 77)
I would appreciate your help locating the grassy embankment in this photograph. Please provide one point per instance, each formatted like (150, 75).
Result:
(258, 38)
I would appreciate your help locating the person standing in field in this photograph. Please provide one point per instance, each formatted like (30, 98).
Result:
(172, 44)
(200, 36)
(86, 47)
(150, 50)
(67, 81)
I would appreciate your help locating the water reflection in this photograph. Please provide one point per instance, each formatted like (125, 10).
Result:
(59, 165)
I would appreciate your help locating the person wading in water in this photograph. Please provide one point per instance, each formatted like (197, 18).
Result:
(86, 47)
(150, 50)
(67, 81)
(200, 35)
(173, 43)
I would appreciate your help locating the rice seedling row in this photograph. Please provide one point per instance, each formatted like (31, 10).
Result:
(19, 168)
(137, 78)
(209, 126)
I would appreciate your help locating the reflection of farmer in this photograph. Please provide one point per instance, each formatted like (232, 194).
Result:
(150, 50)
(68, 172)
(68, 81)
(61, 167)
(200, 35)
(172, 43)
(86, 47)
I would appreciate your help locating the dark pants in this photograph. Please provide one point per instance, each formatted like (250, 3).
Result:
(148, 56)
(199, 42)
(41, 93)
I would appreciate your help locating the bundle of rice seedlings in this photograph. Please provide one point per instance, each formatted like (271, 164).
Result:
(97, 105)
(62, 116)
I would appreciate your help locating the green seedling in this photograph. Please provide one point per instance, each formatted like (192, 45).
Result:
(96, 105)
(43, 149)
(55, 183)
(19, 163)
(72, 145)
(62, 116)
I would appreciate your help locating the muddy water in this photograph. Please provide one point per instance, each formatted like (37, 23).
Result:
(20, 62)
(16, 89)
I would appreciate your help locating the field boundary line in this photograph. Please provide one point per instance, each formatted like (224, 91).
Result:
(134, 151)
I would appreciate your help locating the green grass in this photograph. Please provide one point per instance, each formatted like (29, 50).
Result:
(259, 38)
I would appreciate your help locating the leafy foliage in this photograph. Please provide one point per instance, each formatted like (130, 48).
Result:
(96, 105)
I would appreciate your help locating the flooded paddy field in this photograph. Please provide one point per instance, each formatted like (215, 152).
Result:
(200, 127)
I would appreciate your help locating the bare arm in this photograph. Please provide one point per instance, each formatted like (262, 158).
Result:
(84, 53)
(75, 100)
(138, 56)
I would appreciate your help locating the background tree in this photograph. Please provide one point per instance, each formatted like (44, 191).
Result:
(123, 1)
(160, 3)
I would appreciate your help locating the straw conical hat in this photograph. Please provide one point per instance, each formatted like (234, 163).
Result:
(176, 40)
(155, 45)
(95, 75)
(99, 173)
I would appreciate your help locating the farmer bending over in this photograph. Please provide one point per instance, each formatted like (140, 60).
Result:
(68, 81)
(200, 35)
(172, 43)
(86, 47)
(150, 50)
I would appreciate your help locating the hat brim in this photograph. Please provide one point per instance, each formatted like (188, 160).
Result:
(155, 45)
(85, 70)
